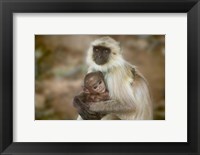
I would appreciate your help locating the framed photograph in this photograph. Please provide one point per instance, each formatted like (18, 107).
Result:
(80, 77)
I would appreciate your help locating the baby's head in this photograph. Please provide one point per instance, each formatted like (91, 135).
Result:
(94, 83)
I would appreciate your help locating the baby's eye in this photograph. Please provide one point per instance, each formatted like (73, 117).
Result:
(99, 82)
(95, 87)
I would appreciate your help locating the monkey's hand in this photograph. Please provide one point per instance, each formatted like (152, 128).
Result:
(110, 106)
(83, 109)
(80, 106)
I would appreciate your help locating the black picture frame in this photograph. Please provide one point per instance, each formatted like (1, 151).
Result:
(8, 7)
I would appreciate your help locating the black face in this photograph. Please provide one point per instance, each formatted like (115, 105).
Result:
(101, 54)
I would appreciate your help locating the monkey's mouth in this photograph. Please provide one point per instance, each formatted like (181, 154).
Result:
(100, 61)
(102, 90)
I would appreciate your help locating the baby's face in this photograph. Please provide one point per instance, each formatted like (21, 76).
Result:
(99, 86)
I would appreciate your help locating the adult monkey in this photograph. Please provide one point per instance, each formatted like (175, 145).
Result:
(128, 90)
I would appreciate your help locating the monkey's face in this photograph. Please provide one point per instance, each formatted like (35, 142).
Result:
(95, 85)
(101, 54)
(99, 86)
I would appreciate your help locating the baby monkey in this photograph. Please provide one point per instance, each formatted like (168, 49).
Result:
(95, 88)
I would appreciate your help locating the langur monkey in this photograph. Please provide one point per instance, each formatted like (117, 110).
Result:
(128, 90)
(95, 88)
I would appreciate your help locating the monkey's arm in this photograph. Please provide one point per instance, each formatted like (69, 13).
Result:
(83, 109)
(110, 106)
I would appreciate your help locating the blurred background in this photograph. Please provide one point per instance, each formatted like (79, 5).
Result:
(60, 69)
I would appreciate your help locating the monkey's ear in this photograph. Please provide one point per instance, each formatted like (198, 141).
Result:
(120, 46)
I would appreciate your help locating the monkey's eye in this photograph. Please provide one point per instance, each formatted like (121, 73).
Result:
(96, 49)
(106, 51)
(100, 82)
